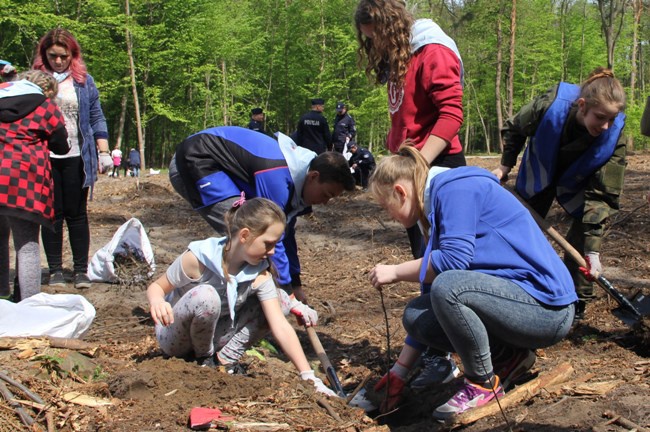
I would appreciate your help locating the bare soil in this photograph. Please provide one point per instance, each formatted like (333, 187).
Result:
(338, 244)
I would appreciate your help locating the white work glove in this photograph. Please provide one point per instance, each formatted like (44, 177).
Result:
(594, 267)
(305, 315)
(105, 162)
(7, 70)
(318, 383)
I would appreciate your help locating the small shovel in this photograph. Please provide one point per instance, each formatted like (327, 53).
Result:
(631, 312)
(359, 399)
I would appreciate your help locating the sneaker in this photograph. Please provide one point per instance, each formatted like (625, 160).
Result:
(81, 281)
(208, 361)
(512, 364)
(469, 396)
(57, 279)
(435, 370)
(234, 368)
(580, 307)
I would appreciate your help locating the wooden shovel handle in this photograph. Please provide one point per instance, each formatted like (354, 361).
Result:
(325, 361)
(577, 257)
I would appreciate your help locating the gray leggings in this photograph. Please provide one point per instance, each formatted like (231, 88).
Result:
(28, 256)
(198, 331)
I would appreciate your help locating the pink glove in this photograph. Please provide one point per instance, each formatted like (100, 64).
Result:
(304, 314)
(594, 267)
(395, 379)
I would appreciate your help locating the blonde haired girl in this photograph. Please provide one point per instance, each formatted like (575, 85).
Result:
(218, 298)
(498, 289)
(576, 155)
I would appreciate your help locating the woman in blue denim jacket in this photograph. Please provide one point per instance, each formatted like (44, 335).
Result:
(74, 173)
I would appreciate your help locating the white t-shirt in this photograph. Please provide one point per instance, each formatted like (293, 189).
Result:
(67, 101)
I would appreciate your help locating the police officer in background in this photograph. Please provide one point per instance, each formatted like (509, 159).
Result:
(344, 128)
(362, 162)
(313, 131)
(257, 121)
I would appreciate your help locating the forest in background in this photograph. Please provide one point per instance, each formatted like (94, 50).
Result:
(166, 69)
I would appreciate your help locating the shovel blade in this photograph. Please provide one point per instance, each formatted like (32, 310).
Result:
(360, 400)
(641, 305)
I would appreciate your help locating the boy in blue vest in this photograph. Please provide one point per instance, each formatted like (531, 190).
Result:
(575, 154)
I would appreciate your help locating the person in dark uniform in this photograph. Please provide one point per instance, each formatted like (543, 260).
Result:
(313, 131)
(257, 121)
(362, 162)
(344, 128)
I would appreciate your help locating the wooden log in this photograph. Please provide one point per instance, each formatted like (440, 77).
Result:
(8, 343)
(525, 391)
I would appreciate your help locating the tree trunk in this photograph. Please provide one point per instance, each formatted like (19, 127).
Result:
(323, 53)
(612, 13)
(120, 127)
(637, 8)
(208, 100)
(497, 78)
(134, 88)
(582, 39)
(564, 9)
(224, 104)
(480, 116)
(511, 70)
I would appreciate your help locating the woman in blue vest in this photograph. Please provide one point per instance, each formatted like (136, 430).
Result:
(575, 154)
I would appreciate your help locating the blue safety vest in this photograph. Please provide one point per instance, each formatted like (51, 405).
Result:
(538, 166)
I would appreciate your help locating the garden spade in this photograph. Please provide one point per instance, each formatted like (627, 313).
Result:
(630, 311)
(359, 400)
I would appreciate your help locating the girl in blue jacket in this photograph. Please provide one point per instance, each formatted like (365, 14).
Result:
(498, 289)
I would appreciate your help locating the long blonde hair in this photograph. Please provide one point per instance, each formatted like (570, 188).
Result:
(601, 87)
(256, 214)
(407, 164)
(388, 52)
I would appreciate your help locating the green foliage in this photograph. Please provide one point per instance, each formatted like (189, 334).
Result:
(201, 63)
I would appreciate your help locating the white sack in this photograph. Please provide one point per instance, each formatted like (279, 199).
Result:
(59, 315)
(130, 237)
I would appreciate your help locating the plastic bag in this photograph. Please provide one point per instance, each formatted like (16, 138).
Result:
(129, 241)
(58, 315)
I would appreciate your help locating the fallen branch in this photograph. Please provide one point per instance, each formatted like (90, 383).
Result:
(361, 385)
(621, 220)
(30, 394)
(525, 391)
(18, 409)
(627, 424)
(322, 402)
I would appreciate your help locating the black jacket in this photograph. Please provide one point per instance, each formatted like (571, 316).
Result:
(344, 127)
(313, 132)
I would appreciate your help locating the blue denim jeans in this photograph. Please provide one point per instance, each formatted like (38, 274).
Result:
(470, 313)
